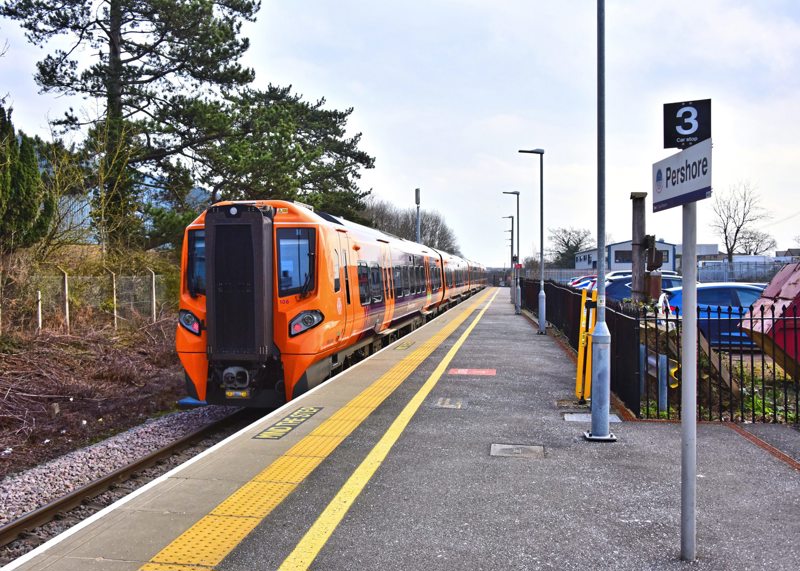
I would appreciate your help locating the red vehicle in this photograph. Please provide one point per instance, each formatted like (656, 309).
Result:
(276, 298)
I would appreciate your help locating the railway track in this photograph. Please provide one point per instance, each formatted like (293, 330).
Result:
(23, 526)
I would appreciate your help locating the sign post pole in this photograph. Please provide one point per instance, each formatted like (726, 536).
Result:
(683, 179)
(689, 385)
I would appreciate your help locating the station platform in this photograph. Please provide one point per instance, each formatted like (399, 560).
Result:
(449, 449)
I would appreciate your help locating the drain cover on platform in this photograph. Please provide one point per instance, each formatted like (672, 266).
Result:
(448, 403)
(517, 450)
(586, 417)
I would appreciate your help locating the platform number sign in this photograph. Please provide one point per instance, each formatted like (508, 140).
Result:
(686, 123)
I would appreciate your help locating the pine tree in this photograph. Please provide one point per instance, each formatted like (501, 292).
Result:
(154, 60)
(27, 209)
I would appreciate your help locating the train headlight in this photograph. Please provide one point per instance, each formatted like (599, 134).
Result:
(189, 322)
(305, 321)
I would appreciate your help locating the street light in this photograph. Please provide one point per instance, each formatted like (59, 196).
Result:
(516, 292)
(416, 199)
(512, 243)
(542, 297)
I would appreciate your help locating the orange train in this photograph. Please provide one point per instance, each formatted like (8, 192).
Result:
(275, 298)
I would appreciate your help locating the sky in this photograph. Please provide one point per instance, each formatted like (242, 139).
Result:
(445, 93)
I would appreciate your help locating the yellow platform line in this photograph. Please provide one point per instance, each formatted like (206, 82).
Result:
(208, 541)
(317, 536)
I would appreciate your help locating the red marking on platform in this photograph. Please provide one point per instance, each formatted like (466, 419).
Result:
(477, 372)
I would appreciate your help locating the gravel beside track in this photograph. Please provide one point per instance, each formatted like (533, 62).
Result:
(26, 491)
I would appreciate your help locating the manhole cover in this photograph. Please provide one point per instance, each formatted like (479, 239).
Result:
(404, 345)
(586, 417)
(448, 403)
(517, 450)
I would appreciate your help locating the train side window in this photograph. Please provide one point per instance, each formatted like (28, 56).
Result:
(420, 279)
(363, 282)
(398, 283)
(196, 268)
(406, 281)
(296, 248)
(337, 281)
(376, 283)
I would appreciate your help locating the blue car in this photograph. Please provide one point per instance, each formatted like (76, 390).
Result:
(720, 308)
(619, 288)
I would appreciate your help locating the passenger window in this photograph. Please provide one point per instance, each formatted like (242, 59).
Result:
(398, 283)
(406, 281)
(387, 276)
(346, 277)
(337, 282)
(363, 283)
(376, 283)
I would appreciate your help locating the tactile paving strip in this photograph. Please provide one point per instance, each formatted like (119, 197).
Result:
(254, 499)
(312, 445)
(208, 541)
(290, 469)
(172, 567)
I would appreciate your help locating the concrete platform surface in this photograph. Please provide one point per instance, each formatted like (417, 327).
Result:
(419, 488)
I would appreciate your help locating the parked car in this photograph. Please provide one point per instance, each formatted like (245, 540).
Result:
(586, 283)
(720, 308)
(576, 280)
(619, 288)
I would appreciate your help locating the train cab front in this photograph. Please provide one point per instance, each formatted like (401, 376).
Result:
(228, 266)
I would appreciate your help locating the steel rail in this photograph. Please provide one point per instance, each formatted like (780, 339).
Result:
(47, 513)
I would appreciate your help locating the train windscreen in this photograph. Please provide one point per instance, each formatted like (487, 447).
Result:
(296, 248)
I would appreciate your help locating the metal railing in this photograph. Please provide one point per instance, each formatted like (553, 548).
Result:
(738, 379)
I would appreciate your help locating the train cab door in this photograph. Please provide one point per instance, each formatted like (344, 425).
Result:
(344, 295)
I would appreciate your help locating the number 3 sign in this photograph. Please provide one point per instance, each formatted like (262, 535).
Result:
(686, 123)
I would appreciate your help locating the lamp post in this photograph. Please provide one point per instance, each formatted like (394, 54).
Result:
(512, 249)
(601, 337)
(542, 296)
(416, 199)
(516, 292)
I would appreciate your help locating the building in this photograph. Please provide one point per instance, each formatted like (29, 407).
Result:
(790, 253)
(619, 256)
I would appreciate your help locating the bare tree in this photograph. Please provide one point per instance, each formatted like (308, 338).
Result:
(755, 242)
(566, 242)
(402, 222)
(737, 212)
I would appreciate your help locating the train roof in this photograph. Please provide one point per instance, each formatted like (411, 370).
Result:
(307, 212)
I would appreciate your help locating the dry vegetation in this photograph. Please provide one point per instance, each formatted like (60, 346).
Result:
(59, 392)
